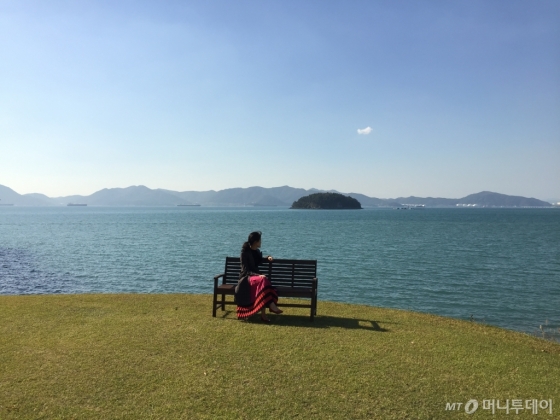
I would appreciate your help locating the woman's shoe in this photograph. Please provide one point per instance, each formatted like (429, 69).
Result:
(265, 320)
(277, 311)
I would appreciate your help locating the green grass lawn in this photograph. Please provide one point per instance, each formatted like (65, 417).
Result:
(138, 356)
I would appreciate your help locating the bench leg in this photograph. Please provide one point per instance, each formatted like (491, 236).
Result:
(223, 302)
(313, 306)
(214, 304)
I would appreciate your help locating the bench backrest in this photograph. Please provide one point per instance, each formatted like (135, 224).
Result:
(288, 273)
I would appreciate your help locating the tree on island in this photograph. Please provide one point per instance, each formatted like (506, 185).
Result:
(326, 201)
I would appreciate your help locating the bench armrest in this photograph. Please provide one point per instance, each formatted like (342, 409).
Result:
(216, 280)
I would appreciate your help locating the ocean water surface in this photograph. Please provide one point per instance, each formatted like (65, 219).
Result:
(497, 266)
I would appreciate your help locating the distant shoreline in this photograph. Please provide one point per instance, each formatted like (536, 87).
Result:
(140, 195)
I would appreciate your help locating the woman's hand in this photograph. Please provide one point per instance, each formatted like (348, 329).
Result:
(269, 258)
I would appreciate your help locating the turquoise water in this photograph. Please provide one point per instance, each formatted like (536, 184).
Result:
(498, 266)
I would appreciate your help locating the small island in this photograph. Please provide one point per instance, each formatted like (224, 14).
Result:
(326, 201)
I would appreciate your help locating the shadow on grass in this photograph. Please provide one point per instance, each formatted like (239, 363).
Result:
(320, 321)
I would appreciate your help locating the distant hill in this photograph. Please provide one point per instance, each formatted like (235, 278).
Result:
(328, 200)
(481, 199)
(253, 196)
(492, 199)
(130, 196)
(428, 201)
(374, 202)
(9, 196)
(277, 196)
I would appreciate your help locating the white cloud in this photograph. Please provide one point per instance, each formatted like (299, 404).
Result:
(366, 130)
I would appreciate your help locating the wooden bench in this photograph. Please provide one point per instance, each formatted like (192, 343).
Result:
(291, 278)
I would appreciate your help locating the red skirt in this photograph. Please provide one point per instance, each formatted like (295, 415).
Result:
(262, 294)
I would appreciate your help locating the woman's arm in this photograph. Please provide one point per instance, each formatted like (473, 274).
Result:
(248, 262)
(268, 258)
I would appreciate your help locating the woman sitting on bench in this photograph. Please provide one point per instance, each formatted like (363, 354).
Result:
(254, 292)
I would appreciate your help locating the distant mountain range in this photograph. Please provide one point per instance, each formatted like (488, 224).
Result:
(253, 196)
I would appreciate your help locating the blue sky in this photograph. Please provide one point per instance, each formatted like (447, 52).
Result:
(460, 96)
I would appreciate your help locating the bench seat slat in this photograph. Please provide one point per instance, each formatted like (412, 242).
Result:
(274, 281)
(290, 272)
(226, 288)
(295, 273)
(285, 291)
(231, 286)
(278, 261)
(286, 269)
(274, 274)
(279, 266)
(294, 284)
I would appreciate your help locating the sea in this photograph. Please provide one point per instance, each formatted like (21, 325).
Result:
(496, 266)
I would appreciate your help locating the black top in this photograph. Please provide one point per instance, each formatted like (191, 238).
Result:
(250, 260)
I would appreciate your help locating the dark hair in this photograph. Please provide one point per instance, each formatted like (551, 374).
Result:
(253, 237)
